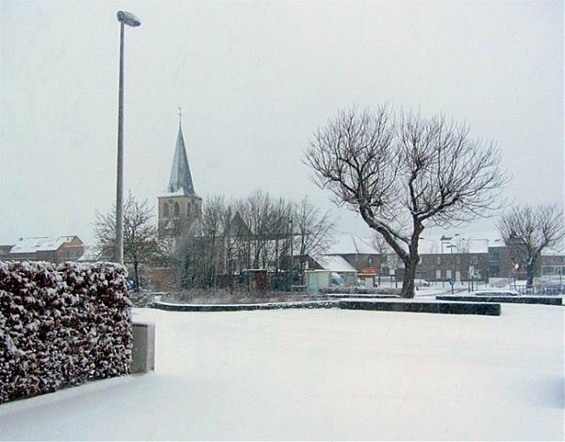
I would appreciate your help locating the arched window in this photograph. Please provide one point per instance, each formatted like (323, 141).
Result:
(166, 210)
(177, 209)
(188, 207)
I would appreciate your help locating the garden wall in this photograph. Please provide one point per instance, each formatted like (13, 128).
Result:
(62, 326)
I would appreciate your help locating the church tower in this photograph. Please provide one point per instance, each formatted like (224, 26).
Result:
(179, 207)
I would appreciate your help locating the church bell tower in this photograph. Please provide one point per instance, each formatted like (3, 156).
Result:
(179, 207)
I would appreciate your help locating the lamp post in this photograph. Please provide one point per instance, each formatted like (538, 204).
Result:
(125, 18)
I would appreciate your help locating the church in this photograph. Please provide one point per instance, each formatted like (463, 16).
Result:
(180, 206)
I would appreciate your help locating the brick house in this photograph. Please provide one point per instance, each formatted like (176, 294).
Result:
(53, 249)
(454, 258)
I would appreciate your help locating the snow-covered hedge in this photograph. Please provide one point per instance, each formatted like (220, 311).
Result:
(61, 326)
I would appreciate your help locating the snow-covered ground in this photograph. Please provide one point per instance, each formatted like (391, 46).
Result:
(323, 375)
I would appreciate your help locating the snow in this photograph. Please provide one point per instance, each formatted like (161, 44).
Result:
(469, 245)
(349, 244)
(322, 375)
(335, 263)
(178, 192)
(35, 244)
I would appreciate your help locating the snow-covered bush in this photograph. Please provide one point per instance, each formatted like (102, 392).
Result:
(61, 326)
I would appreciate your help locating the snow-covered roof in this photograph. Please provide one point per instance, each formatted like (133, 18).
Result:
(453, 245)
(39, 244)
(552, 251)
(350, 244)
(498, 242)
(179, 192)
(90, 254)
(334, 263)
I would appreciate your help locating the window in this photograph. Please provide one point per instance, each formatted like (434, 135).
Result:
(166, 210)
(188, 210)
(177, 209)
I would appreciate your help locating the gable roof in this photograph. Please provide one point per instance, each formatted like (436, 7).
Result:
(349, 244)
(334, 263)
(180, 182)
(40, 244)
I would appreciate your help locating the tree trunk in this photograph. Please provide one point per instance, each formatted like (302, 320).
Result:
(530, 269)
(411, 261)
(409, 274)
(136, 276)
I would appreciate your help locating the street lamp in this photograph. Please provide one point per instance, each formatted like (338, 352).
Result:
(125, 18)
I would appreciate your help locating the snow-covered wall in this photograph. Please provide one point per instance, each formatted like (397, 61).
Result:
(61, 326)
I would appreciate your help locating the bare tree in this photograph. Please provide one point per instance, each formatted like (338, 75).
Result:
(141, 245)
(403, 173)
(527, 230)
(255, 232)
(312, 229)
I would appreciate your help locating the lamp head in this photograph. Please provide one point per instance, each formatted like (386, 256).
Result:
(128, 18)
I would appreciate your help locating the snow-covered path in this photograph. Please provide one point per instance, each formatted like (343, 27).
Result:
(321, 375)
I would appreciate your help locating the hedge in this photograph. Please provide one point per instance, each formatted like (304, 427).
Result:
(62, 326)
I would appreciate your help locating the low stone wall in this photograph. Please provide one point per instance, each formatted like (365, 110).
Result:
(452, 308)
(545, 300)
(244, 307)
(457, 308)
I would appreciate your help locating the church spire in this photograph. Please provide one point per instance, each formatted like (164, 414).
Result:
(181, 179)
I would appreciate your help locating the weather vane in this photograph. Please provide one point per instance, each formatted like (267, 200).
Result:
(180, 115)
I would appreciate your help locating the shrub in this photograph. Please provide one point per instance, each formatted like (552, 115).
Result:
(61, 326)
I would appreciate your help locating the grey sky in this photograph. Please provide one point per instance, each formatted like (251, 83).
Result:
(254, 81)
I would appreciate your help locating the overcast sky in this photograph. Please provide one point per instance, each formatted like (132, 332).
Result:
(255, 80)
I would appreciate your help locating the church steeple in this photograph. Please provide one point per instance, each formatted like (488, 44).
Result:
(180, 207)
(181, 178)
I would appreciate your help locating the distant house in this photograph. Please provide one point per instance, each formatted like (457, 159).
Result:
(54, 249)
(553, 264)
(501, 261)
(447, 258)
(336, 264)
(505, 261)
(454, 258)
(358, 252)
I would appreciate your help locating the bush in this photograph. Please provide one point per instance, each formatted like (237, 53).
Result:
(61, 326)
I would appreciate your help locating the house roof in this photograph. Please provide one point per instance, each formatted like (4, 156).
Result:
(452, 245)
(40, 244)
(334, 263)
(350, 244)
(90, 254)
(180, 182)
